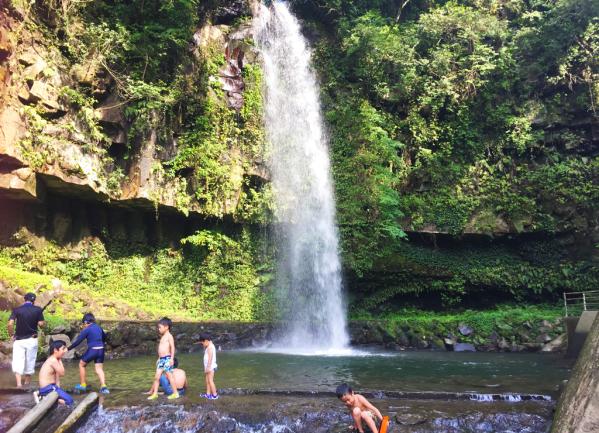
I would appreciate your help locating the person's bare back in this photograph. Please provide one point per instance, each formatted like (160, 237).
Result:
(180, 378)
(51, 372)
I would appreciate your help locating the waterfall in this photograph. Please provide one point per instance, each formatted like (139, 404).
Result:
(309, 270)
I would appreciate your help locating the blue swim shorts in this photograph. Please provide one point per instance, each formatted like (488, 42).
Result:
(164, 363)
(96, 355)
(62, 394)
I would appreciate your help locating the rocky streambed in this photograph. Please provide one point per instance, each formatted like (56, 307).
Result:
(270, 414)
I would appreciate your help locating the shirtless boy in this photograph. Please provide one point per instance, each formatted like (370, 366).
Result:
(51, 372)
(361, 409)
(166, 359)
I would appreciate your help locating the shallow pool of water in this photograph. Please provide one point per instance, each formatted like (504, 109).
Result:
(397, 371)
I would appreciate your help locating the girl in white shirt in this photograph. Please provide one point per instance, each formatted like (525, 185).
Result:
(209, 366)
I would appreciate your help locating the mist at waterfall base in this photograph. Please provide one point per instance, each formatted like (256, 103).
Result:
(309, 269)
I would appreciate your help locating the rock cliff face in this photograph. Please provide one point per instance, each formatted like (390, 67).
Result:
(52, 142)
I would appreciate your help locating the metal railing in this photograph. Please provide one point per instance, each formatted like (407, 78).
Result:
(577, 302)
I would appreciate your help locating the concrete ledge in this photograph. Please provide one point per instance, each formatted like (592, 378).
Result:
(578, 329)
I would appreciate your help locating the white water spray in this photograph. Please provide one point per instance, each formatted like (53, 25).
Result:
(309, 267)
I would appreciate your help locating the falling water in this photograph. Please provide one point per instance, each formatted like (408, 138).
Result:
(309, 271)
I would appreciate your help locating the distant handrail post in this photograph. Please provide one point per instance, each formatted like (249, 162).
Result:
(566, 303)
(584, 301)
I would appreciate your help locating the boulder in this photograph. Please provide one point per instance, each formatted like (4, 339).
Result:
(523, 336)
(63, 337)
(20, 184)
(503, 344)
(410, 419)
(547, 324)
(9, 299)
(6, 347)
(465, 330)
(402, 338)
(60, 329)
(556, 345)
(33, 71)
(225, 425)
(449, 343)
(543, 338)
(45, 94)
(493, 338)
(438, 343)
(464, 347)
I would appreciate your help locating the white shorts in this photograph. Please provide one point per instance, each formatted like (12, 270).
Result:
(24, 354)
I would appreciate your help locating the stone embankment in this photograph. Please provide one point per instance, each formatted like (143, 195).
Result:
(578, 408)
(139, 338)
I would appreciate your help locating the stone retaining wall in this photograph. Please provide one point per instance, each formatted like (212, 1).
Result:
(139, 338)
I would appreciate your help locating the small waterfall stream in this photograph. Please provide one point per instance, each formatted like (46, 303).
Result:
(309, 273)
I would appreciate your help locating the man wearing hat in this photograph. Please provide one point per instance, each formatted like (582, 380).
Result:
(24, 350)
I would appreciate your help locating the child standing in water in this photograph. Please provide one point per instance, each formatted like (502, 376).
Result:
(209, 366)
(361, 409)
(166, 359)
(95, 336)
(51, 372)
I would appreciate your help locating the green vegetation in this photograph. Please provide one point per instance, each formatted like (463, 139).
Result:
(512, 325)
(456, 111)
(212, 276)
(451, 118)
(461, 117)
(484, 322)
(475, 274)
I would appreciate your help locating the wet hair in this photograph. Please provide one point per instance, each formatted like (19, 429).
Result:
(175, 363)
(165, 321)
(205, 337)
(88, 318)
(55, 345)
(30, 297)
(343, 389)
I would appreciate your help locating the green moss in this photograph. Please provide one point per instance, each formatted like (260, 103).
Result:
(503, 319)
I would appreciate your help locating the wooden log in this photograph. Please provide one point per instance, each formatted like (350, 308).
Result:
(35, 414)
(86, 404)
